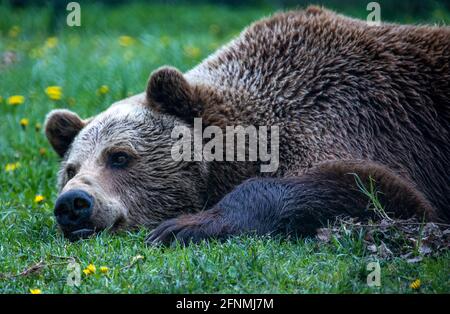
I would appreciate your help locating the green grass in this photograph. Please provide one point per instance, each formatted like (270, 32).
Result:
(90, 56)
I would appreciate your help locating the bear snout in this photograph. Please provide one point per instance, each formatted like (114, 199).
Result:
(73, 210)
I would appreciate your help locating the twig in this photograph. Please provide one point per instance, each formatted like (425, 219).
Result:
(37, 267)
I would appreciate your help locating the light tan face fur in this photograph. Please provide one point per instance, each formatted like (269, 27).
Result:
(150, 188)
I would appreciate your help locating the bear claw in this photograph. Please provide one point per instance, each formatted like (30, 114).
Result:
(174, 230)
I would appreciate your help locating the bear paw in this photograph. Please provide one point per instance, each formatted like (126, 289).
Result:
(189, 228)
(176, 230)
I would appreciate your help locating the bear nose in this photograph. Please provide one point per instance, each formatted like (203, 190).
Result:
(73, 208)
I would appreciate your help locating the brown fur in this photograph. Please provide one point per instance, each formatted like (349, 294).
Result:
(348, 98)
(340, 90)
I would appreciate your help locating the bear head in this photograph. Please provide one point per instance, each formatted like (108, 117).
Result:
(117, 171)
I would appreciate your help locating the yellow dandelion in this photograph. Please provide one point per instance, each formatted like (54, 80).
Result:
(126, 41)
(89, 270)
(42, 151)
(104, 269)
(51, 42)
(415, 284)
(16, 100)
(24, 122)
(35, 291)
(192, 51)
(104, 89)
(14, 31)
(54, 92)
(12, 166)
(39, 199)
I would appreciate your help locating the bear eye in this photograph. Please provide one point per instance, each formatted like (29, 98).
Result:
(71, 172)
(118, 160)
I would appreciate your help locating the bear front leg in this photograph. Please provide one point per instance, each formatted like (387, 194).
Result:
(297, 205)
(191, 228)
(251, 208)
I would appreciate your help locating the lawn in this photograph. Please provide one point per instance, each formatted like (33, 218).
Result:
(117, 47)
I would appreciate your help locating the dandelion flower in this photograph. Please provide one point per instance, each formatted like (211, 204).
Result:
(415, 284)
(39, 199)
(54, 92)
(12, 166)
(104, 269)
(104, 89)
(35, 291)
(89, 270)
(126, 41)
(51, 42)
(16, 100)
(42, 151)
(14, 31)
(192, 51)
(24, 122)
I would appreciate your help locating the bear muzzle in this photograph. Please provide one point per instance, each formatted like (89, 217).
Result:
(73, 210)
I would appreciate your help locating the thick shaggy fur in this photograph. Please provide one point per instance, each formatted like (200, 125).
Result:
(349, 99)
(376, 100)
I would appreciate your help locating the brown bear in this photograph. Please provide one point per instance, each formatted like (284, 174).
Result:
(355, 105)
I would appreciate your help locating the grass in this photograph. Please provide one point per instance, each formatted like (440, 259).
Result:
(88, 57)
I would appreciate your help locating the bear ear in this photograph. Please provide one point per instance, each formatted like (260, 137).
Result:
(169, 92)
(61, 127)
